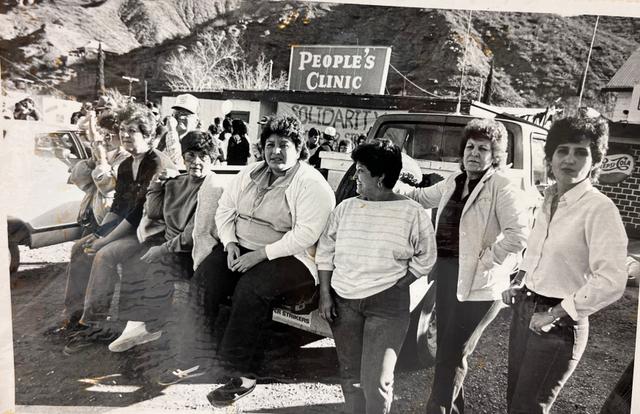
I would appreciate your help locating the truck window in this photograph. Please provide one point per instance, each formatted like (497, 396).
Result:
(426, 143)
(430, 141)
(538, 163)
(56, 145)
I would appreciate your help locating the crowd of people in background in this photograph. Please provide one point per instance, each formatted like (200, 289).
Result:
(155, 217)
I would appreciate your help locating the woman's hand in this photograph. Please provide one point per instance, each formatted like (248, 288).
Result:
(248, 260)
(509, 295)
(154, 254)
(327, 307)
(542, 322)
(233, 252)
(94, 246)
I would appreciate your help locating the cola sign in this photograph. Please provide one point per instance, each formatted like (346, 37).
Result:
(616, 168)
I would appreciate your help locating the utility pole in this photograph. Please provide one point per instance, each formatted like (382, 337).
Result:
(270, 73)
(145, 92)
(586, 69)
(131, 80)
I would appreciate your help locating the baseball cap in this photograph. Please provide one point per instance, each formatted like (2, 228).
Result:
(187, 102)
(330, 131)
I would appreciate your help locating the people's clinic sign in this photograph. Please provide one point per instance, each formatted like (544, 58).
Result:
(348, 69)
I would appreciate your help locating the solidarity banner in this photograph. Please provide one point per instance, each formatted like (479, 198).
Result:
(348, 69)
(348, 122)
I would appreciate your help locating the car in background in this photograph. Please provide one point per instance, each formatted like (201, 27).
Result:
(40, 204)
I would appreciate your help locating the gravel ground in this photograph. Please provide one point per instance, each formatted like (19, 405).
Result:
(45, 376)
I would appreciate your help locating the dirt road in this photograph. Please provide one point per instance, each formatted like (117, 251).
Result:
(97, 381)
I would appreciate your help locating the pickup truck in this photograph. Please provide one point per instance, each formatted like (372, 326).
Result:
(433, 141)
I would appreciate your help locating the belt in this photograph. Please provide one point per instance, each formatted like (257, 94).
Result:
(539, 299)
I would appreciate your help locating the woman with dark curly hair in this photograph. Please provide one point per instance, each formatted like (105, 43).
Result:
(574, 266)
(364, 286)
(268, 221)
(481, 230)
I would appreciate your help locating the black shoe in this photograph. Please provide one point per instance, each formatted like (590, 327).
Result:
(174, 376)
(87, 338)
(64, 328)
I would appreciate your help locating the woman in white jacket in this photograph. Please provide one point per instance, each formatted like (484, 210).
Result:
(481, 230)
(268, 221)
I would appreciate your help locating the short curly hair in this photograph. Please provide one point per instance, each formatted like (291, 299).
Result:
(200, 141)
(575, 130)
(286, 126)
(139, 113)
(380, 156)
(489, 129)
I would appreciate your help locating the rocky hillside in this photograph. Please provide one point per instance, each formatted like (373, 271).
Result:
(537, 58)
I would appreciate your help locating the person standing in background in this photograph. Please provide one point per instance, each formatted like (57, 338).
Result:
(184, 120)
(238, 148)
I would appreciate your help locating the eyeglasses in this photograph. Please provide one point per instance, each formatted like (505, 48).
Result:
(191, 156)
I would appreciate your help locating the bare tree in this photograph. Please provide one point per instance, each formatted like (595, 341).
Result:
(216, 62)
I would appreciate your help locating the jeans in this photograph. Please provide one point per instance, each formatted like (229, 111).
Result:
(254, 294)
(460, 326)
(540, 365)
(369, 334)
(91, 279)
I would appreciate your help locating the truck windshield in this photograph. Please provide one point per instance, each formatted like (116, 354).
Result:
(430, 141)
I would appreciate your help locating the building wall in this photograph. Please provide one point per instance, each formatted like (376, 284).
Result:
(626, 195)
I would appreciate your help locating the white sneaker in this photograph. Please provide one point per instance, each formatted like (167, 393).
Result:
(135, 333)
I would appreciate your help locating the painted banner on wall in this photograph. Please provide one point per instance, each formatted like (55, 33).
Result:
(348, 122)
(349, 69)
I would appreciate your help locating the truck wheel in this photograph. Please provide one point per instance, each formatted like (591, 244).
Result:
(14, 254)
(419, 349)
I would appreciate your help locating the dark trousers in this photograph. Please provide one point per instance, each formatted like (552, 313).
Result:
(147, 289)
(91, 280)
(369, 334)
(253, 296)
(460, 325)
(540, 365)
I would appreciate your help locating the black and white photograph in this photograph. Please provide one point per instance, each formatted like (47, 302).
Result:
(314, 207)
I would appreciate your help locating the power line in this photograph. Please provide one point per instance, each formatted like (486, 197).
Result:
(412, 83)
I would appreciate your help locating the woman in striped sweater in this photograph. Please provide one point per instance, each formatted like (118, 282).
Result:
(373, 247)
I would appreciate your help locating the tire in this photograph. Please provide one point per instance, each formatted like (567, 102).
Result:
(419, 349)
(14, 254)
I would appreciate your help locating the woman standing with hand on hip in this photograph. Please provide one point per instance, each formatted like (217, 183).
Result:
(481, 229)
(573, 267)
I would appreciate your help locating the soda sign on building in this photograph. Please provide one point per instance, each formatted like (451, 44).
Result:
(616, 168)
(347, 69)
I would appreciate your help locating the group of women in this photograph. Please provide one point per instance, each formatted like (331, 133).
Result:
(370, 248)
(274, 233)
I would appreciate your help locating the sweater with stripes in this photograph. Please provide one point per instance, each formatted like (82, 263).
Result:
(370, 245)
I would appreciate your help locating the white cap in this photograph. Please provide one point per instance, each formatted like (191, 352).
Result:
(331, 131)
(186, 101)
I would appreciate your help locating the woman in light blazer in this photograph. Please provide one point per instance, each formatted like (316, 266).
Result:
(481, 230)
